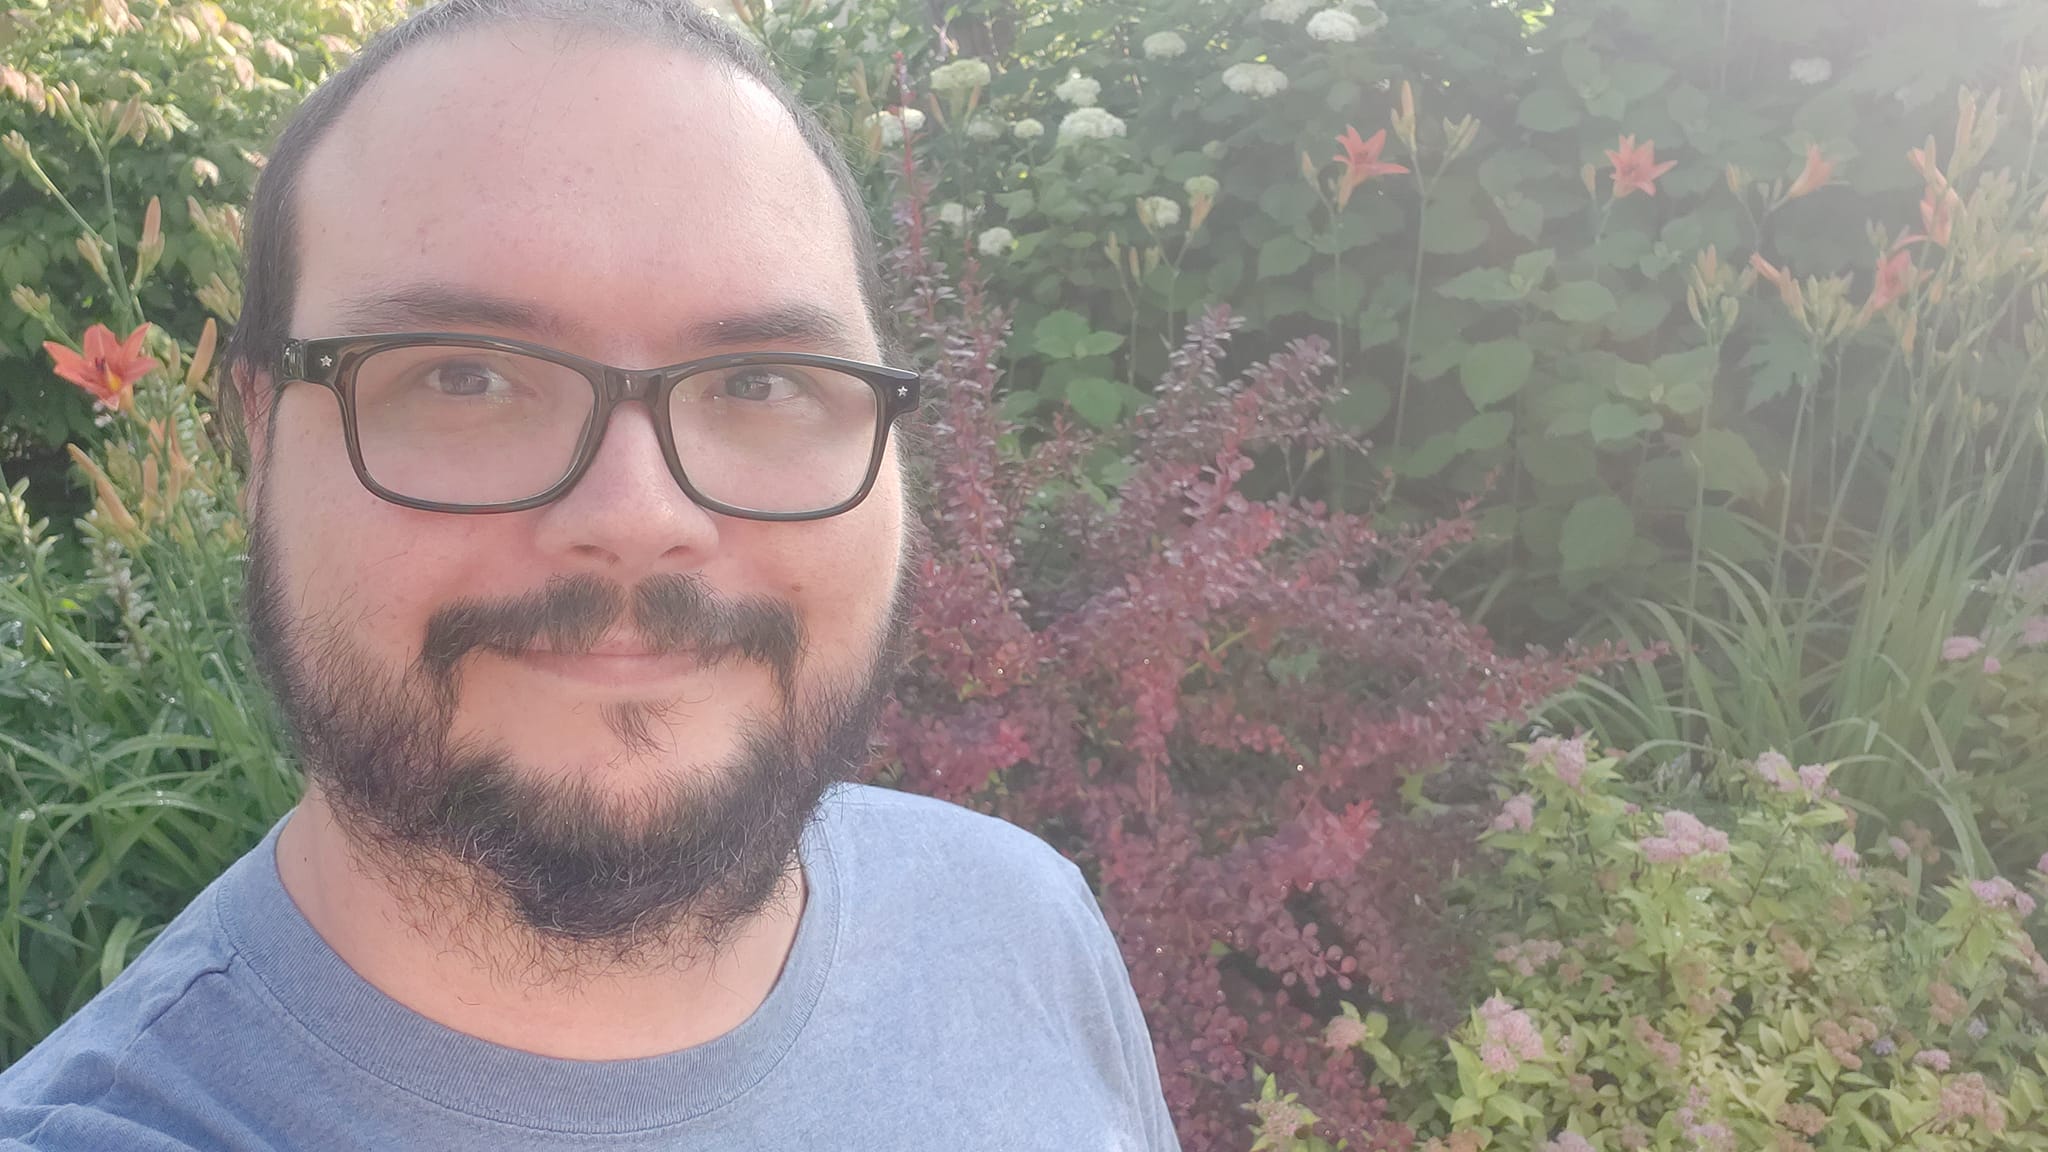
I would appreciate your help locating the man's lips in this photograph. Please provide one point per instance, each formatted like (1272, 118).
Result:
(615, 663)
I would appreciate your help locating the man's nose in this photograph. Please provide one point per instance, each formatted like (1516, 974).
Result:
(627, 516)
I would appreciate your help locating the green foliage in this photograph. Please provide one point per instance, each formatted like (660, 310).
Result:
(1511, 321)
(136, 759)
(117, 104)
(1738, 978)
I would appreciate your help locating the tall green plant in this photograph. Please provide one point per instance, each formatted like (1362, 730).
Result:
(1916, 473)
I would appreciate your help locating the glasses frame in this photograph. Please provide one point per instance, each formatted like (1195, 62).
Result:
(332, 362)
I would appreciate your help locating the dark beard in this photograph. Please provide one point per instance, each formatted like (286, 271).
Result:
(599, 881)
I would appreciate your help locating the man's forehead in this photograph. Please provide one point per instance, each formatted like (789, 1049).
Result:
(523, 163)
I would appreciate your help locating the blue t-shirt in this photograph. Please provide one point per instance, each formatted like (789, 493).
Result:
(952, 987)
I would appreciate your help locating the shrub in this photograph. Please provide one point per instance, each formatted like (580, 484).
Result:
(1511, 316)
(1735, 976)
(1205, 697)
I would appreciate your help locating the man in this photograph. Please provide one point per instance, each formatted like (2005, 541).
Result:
(578, 546)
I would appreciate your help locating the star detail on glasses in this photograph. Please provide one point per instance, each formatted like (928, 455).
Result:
(327, 361)
(901, 392)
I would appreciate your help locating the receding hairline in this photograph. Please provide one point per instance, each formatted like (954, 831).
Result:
(673, 25)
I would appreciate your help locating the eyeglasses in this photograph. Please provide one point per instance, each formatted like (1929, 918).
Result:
(447, 422)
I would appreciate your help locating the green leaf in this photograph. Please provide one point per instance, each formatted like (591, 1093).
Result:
(1489, 285)
(1098, 344)
(1548, 110)
(1096, 400)
(1058, 334)
(1495, 370)
(1429, 457)
(114, 954)
(1727, 463)
(1281, 256)
(1484, 431)
(1597, 533)
(1361, 405)
(1581, 301)
(1612, 423)
(1531, 267)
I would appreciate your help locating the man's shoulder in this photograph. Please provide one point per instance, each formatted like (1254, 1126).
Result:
(56, 1097)
(932, 849)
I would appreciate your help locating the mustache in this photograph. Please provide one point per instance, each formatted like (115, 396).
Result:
(573, 614)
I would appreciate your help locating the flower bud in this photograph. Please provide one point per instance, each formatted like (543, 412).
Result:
(150, 248)
(89, 247)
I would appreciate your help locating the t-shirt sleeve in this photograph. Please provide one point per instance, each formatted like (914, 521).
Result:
(1148, 1101)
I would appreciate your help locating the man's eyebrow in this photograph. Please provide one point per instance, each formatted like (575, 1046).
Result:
(421, 307)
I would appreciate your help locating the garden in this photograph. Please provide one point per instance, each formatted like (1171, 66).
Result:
(1506, 538)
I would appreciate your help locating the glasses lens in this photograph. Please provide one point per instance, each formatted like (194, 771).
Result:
(459, 425)
(775, 437)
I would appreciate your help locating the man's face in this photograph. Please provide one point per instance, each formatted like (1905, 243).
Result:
(627, 203)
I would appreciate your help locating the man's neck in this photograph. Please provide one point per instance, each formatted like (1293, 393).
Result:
(459, 983)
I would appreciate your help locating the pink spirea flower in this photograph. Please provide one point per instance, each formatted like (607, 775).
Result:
(1991, 666)
(1777, 771)
(1814, 779)
(1933, 1058)
(2041, 865)
(1568, 1142)
(1344, 1032)
(1845, 855)
(1683, 836)
(1900, 849)
(2034, 631)
(1518, 814)
(1999, 892)
(1511, 1036)
(1567, 758)
(1961, 647)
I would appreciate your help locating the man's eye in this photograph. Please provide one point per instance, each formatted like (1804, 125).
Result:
(759, 385)
(466, 380)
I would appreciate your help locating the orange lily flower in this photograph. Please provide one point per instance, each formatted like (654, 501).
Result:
(1937, 213)
(1362, 162)
(1636, 169)
(109, 367)
(1895, 274)
(1818, 171)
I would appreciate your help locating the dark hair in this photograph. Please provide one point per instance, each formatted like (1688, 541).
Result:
(270, 281)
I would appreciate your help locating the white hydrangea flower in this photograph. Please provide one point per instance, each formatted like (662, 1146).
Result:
(984, 129)
(1164, 45)
(995, 242)
(1080, 91)
(953, 214)
(894, 125)
(1089, 124)
(1157, 212)
(1254, 79)
(1811, 70)
(1198, 187)
(1027, 129)
(1284, 11)
(803, 38)
(962, 75)
(1337, 27)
